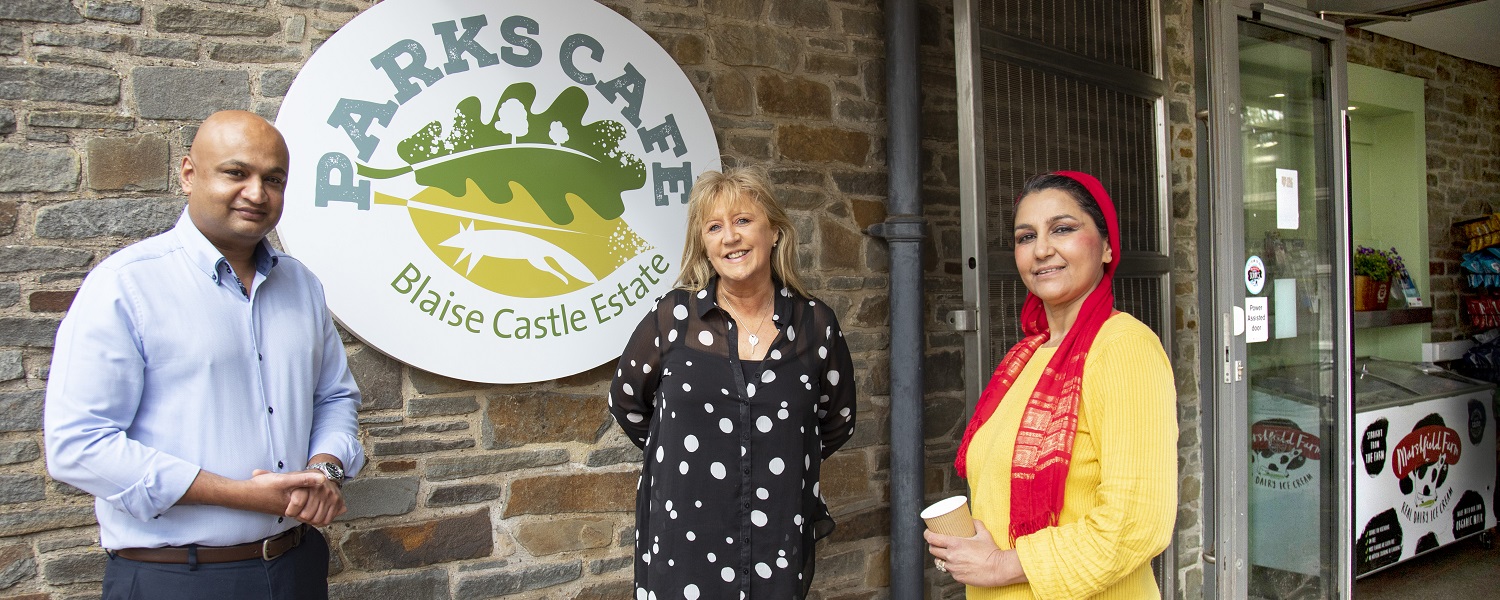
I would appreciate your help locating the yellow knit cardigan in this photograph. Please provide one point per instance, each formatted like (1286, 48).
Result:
(1121, 498)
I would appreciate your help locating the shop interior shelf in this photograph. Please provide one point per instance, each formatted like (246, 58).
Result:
(1365, 319)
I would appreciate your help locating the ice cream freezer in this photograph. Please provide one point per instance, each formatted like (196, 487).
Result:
(1424, 470)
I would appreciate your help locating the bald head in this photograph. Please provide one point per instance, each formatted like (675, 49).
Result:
(234, 128)
(234, 176)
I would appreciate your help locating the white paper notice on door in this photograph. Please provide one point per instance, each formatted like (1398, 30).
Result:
(1288, 208)
(1286, 308)
(1257, 319)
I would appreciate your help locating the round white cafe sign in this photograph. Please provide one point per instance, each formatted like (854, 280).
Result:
(492, 190)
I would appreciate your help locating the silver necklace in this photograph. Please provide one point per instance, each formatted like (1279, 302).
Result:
(751, 337)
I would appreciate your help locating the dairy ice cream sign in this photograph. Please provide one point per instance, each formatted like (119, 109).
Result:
(491, 190)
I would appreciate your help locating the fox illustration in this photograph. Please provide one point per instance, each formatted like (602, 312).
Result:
(477, 244)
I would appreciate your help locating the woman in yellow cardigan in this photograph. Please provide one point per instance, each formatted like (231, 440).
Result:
(1072, 452)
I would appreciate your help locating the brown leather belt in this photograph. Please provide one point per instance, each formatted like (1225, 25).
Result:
(266, 549)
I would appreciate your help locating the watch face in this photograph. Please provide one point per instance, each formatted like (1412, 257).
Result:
(331, 470)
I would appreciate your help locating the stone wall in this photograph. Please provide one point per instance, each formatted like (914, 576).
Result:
(472, 491)
(1182, 140)
(1463, 155)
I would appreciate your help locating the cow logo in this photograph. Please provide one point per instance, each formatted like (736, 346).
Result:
(1280, 453)
(1420, 462)
(492, 190)
(1255, 275)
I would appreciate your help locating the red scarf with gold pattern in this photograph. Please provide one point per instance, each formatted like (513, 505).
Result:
(1044, 443)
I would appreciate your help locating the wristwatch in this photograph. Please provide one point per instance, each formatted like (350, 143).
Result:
(330, 470)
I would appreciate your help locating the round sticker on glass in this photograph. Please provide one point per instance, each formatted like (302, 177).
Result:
(1255, 275)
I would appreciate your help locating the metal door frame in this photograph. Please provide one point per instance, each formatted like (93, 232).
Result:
(1226, 436)
(974, 319)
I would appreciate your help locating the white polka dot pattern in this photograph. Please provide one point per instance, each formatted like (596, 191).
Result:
(744, 466)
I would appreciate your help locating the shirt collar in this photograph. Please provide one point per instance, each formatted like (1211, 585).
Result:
(708, 299)
(208, 259)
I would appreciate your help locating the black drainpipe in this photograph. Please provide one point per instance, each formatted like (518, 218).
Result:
(902, 231)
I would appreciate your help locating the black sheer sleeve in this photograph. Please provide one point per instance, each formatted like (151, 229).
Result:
(632, 395)
(836, 402)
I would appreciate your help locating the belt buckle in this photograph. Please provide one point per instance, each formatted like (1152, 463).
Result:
(265, 544)
(265, 550)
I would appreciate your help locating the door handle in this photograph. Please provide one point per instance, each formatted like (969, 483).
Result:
(1228, 332)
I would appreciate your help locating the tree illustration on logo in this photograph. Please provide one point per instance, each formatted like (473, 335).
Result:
(522, 203)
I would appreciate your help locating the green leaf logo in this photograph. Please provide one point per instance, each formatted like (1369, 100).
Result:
(522, 203)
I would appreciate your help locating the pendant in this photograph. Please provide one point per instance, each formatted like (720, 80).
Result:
(754, 341)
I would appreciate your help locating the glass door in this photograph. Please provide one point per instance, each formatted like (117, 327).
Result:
(1281, 400)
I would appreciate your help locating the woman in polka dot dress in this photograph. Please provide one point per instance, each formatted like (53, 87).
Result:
(737, 385)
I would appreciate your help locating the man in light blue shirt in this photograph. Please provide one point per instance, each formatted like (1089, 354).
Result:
(200, 392)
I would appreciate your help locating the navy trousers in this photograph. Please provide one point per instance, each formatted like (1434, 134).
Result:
(300, 574)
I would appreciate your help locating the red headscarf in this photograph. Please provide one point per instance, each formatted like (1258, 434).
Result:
(1044, 443)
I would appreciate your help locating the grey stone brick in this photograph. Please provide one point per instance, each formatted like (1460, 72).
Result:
(437, 407)
(458, 467)
(32, 258)
(130, 163)
(68, 58)
(9, 214)
(325, 5)
(604, 457)
(23, 451)
(159, 48)
(379, 378)
(32, 169)
(455, 495)
(64, 489)
(10, 365)
(431, 584)
(252, 3)
(114, 12)
(70, 540)
(611, 564)
(296, 28)
(10, 294)
(51, 84)
(16, 565)
(377, 496)
(46, 135)
(419, 446)
(181, 93)
(27, 332)
(254, 53)
(62, 276)
(182, 19)
(7, 121)
(20, 411)
(103, 42)
(80, 120)
(267, 109)
(10, 41)
(520, 579)
(428, 429)
(276, 83)
(15, 489)
(125, 217)
(81, 567)
(43, 11)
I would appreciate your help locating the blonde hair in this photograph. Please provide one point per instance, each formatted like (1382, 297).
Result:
(714, 188)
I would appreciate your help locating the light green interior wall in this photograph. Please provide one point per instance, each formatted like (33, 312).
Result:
(1388, 191)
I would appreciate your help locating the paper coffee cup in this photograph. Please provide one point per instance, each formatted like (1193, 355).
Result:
(950, 516)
